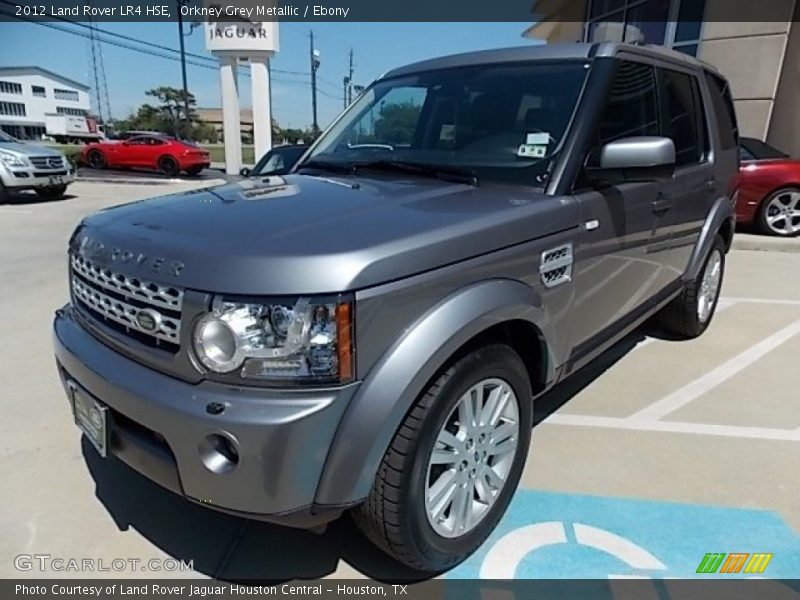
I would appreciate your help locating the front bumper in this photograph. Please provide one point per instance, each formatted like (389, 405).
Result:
(24, 178)
(160, 426)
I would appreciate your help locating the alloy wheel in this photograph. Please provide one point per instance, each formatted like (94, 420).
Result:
(709, 286)
(472, 458)
(783, 213)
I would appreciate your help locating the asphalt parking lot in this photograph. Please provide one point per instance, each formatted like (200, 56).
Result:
(658, 454)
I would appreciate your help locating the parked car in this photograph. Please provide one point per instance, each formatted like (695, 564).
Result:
(162, 153)
(25, 166)
(368, 332)
(769, 192)
(278, 161)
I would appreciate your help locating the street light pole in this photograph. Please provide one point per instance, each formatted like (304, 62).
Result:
(314, 67)
(183, 68)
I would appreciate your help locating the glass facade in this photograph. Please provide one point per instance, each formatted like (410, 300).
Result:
(673, 23)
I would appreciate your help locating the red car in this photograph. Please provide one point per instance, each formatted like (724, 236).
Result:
(769, 190)
(165, 154)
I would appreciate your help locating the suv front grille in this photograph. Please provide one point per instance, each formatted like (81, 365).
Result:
(119, 299)
(47, 162)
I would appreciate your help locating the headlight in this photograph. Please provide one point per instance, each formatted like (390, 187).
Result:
(308, 340)
(12, 159)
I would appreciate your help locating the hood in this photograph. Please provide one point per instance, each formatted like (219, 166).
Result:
(311, 235)
(28, 149)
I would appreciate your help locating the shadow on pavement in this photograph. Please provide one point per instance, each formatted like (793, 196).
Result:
(30, 197)
(235, 549)
(227, 547)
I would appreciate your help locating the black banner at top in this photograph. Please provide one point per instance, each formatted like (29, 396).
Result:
(526, 11)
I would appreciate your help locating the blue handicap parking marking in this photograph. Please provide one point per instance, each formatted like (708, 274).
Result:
(552, 535)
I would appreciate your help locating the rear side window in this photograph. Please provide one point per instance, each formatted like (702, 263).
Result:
(722, 100)
(632, 108)
(684, 118)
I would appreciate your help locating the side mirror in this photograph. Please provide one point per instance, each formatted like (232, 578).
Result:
(244, 172)
(635, 159)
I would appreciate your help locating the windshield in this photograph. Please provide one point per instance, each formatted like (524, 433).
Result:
(502, 122)
(4, 137)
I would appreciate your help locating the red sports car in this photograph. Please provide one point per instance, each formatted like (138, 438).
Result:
(769, 190)
(165, 154)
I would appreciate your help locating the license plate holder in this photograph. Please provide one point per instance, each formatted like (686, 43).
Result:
(56, 180)
(91, 417)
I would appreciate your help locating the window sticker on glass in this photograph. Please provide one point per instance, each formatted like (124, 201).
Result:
(539, 138)
(532, 151)
(447, 133)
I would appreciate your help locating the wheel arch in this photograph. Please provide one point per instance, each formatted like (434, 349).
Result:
(497, 310)
(721, 220)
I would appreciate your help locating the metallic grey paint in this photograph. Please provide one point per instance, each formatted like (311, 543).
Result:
(431, 264)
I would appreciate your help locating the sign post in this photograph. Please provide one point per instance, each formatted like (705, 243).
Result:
(255, 42)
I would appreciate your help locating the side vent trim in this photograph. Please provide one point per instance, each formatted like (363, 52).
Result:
(555, 265)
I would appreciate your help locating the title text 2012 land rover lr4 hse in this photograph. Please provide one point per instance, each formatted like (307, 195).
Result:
(368, 332)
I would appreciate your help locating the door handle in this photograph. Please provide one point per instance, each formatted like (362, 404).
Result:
(661, 207)
(712, 184)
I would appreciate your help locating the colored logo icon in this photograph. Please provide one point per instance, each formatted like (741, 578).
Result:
(718, 562)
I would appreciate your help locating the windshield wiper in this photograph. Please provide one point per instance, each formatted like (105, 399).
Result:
(444, 172)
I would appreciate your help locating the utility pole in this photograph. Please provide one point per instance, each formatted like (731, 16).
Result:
(349, 93)
(314, 67)
(183, 69)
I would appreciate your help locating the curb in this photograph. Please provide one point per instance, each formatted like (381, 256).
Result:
(765, 243)
(148, 181)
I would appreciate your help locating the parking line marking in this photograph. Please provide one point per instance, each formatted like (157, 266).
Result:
(766, 301)
(17, 211)
(756, 433)
(715, 377)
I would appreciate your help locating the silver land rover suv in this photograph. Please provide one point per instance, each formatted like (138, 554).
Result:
(369, 332)
(25, 166)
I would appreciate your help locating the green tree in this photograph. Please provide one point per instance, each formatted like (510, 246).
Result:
(397, 123)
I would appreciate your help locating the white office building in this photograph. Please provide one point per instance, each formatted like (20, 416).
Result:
(27, 94)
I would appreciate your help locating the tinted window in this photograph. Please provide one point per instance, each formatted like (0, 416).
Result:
(502, 122)
(684, 120)
(723, 107)
(632, 108)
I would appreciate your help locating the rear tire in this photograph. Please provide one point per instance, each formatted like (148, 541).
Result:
(96, 159)
(690, 314)
(404, 514)
(779, 213)
(168, 166)
(53, 192)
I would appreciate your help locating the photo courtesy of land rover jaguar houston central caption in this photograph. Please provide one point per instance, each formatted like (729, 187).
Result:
(368, 332)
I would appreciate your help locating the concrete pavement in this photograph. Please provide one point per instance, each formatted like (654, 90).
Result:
(712, 422)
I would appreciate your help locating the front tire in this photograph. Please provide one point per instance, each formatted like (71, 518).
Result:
(779, 214)
(53, 192)
(690, 314)
(454, 464)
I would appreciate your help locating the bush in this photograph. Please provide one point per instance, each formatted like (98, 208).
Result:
(72, 154)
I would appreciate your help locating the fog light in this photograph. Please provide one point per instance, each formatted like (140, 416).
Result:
(219, 454)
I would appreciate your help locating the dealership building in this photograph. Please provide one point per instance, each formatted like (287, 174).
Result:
(27, 94)
(755, 44)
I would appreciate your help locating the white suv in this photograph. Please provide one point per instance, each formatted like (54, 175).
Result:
(26, 166)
